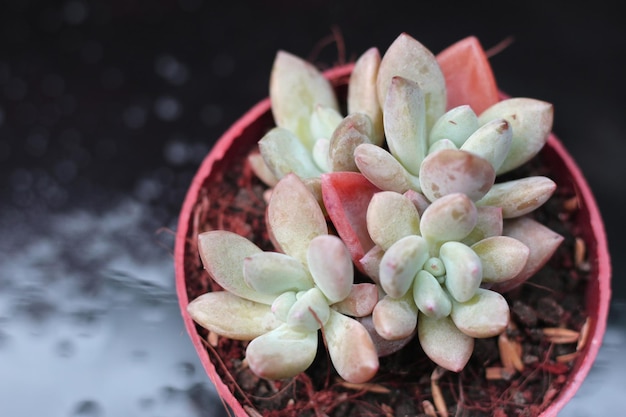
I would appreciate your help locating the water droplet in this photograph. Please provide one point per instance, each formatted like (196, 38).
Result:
(75, 12)
(187, 369)
(50, 190)
(167, 108)
(199, 151)
(148, 190)
(140, 356)
(171, 69)
(146, 403)
(135, 117)
(65, 348)
(88, 408)
(152, 312)
(176, 152)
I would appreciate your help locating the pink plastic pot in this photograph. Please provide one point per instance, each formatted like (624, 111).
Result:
(242, 137)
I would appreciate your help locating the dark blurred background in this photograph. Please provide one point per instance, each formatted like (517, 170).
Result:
(107, 109)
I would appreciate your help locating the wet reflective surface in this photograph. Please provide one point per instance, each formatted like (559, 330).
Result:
(107, 109)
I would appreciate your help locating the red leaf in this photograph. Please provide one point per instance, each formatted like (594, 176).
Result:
(468, 74)
(346, 197)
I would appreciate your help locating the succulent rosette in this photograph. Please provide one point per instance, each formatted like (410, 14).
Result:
(311, 135)
(280, 300)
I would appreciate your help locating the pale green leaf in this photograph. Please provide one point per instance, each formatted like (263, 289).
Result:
(296, 88)
(351, 349)
(443, 343)
(231, 316)
(486, 314)
(281, 353)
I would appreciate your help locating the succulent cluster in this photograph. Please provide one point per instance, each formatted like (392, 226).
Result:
(280, 300)
(408, 178)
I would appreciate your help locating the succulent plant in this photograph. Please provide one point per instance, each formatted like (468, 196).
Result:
(311, 135)
(433, 266)
(409, 180)
(279, 300)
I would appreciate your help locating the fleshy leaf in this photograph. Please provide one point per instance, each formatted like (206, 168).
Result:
(400, 264)
(468, 74)
(383, 170)
(261, 169)
(275, 273)
(489, 223)
(354, 130)
(331, 266)
(351, 349)
(430, 297)
(444, 343)
(384, 347)
(386, 229)
(408, 58)
(542, 242)
(309, 312)
(370, 263)
(456, 125)
(346, 197)
(455, 171)
(294, 217)
(519, 197)
(362, 95)
(531, 121)
(231, 316)
(442, 144)
(360, 302)
(486, 314)
(284, 153)
(502, 257)
(491, 141)
(324, 121)
(281, 353)
(320, 154)
(451, 217)
(404, 120)
(463, 270)
(420, 202)
(395, 318)
(222, 255)
(282, 304)
(296, 88)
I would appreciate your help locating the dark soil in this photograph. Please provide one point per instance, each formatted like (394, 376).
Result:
(553, 298)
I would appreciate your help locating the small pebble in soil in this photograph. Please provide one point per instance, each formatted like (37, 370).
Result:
(524, 313)
(549, 311)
